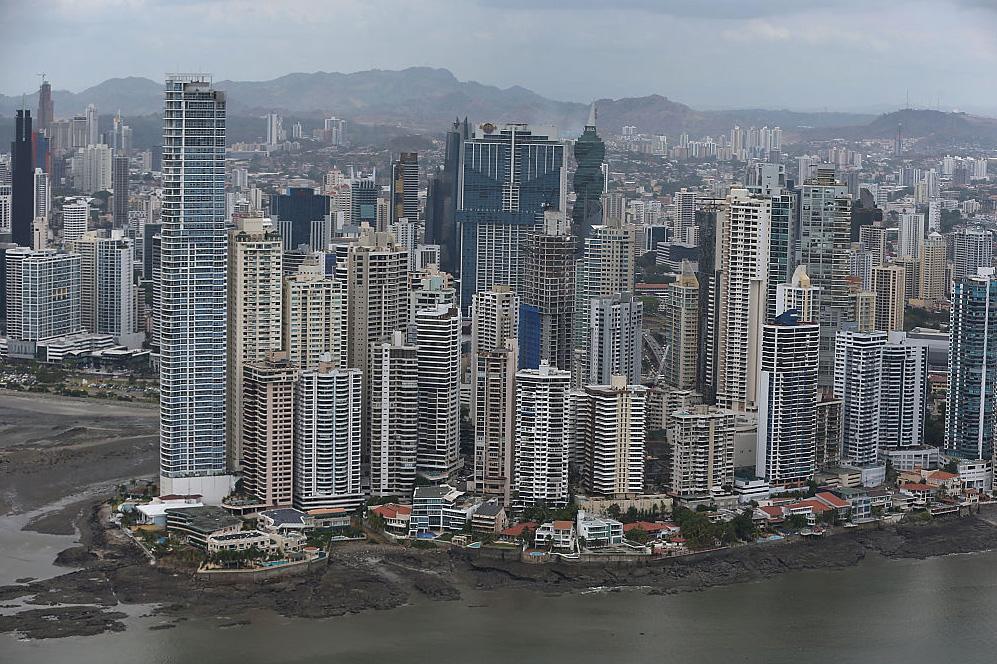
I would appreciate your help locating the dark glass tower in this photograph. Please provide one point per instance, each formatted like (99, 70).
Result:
(22, 181)
(441, 201)
(296, 212)
(589, 181)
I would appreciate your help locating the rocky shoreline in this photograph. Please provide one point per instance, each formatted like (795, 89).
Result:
(363, 577)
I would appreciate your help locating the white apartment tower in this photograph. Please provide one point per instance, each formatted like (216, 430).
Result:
(542, 431)
(193, 293)
(610, 430)
(314, 319)
(702, 450)
(108, 293)
(327, 438)
(393, 390)
(438, 337)
(75, 219)
(614, 346)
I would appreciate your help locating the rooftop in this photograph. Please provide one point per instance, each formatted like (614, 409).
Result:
(206, 519)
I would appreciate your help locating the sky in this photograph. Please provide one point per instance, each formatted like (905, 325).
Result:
(797, 54)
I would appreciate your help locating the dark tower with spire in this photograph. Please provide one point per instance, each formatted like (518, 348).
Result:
(589, 181)
(441, 202)
(46, 112)
(22, 185)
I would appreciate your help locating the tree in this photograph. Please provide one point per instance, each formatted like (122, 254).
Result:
(614, 511)
(638, 535)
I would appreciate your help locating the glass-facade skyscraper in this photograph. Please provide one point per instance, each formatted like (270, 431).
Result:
(589, 181)
(970, 416)
(192, 296)
(510, 175)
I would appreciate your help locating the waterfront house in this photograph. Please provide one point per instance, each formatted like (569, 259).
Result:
(559, 535)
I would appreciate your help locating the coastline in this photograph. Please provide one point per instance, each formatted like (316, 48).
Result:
(366, 577)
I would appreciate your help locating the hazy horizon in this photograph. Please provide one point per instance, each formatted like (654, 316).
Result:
(724, 54)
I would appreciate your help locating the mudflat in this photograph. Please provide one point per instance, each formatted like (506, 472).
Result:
(52, 446)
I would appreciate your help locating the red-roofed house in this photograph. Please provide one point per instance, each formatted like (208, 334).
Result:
(922, 494)
(772, 513)
(515, 532)
(940, 478)
(840, 505)
(559, 534)
(396, 517)
(657, 529)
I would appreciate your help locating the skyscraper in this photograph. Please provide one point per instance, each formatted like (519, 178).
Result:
(825, 237)
(93, 126)
(589, 181)
(743, 225)
(254, 312)
(193, 311)
(547, 317)
(972, 248)
(119, 184)
(888, 282)
(971, 414)
(680, 314)
(107, 287)
(43, 294)
(786, 451)
(441, 200)
(266, 412)
(46, 112)
(302, 218)
(75, 218)
(438, 337)
(315, 320)
(22, 171)
(542, 437)
(405, 187)
(327, 438)
(614, 347)
(933, 285)
(857, 374)
(494, 324)
(511, 175)
(394, 416)
(703, 450)
(610, 430)
(363, 201)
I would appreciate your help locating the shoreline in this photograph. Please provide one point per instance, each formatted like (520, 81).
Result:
(365, 577)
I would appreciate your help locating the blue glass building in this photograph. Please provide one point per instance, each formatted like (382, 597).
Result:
(297, 214)
(510, 174)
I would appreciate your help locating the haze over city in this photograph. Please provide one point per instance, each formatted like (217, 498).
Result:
(851, 55)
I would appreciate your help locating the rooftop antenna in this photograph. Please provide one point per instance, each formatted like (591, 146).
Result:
(43, 78)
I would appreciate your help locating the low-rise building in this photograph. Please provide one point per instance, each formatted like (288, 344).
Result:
(396, 517)
(195, 525)
(490, 517)
(517, 532)
(598, 531)
(439, 508)
(976, 474)
(154, 512)
(559, 535)
(267, 543)
(656, 529)
(921, 493)
(909, 458)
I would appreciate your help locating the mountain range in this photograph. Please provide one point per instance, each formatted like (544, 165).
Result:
(427, 100)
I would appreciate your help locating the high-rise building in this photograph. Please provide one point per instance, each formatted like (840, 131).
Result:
(610, 431)
(971, 413)
(911, 235)
(769, 180)
(42, 194)
(614, 347)
(254, 312)
(542, 437)
(972, 248)
(685, 214)
(606, 268)
(363, 200)
(857, 374)
(22, 169)
(743, 224)
(193, 293)
(430, 288)
(511, 175)
(903, 389)
(548, 312)
(75, 218)
(679, 310)
(42, 293)
(825, 238)
(275, 129)
(302, 218)
(5, 204)
(786, 450)
(92, 125)
(874, 240)
(119, 184)
(438, 337)
(46, 112)
(933, 283)
(494, 325)
(266, 413)
(441, 200)
(405, 187)
(92, 169)
(107, 287)
(327, 438)
(375, 272)
(394, 416)
(315, 320)
(702, 439)
(590, 180)
(889, 284)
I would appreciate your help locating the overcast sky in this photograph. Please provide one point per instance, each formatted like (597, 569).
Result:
(838, 54)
